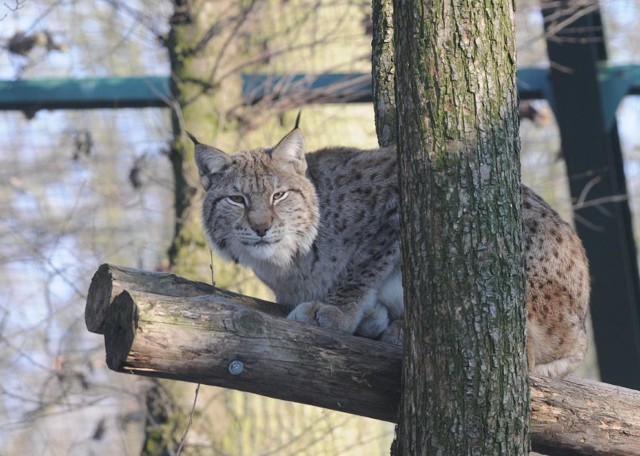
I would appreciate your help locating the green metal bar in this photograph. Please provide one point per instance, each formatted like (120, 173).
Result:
(616, 82)
(87, 93)
(308, 88)
(154, 91)
(533, 83)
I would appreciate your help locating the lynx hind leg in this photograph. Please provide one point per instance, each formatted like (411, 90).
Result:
(558, 368)
(557, 338)
(557, 289)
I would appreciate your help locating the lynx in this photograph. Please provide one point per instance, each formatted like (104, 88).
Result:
(322, 231)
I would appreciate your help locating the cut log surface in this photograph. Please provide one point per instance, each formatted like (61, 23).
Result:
(161, 325)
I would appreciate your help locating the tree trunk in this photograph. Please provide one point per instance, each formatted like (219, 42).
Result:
(194, 107)
(465, 383)
(383, 72)
(209, 45)
(194, 332)
(195, 47)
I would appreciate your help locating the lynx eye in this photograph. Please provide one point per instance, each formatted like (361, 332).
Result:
(278, 196)
(237, 200)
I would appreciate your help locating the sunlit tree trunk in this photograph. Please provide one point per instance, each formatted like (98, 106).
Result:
(194, 107)
(208, 44)
(194, 46)
(465, 382)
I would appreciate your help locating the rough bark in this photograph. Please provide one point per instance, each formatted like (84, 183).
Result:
(198, 337)
(190, 50)
(465, 385)
(109, 281)
(383, 69)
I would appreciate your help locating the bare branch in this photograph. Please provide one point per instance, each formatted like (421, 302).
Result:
(17, 4)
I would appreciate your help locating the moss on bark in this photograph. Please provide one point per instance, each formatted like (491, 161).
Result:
(465, 376)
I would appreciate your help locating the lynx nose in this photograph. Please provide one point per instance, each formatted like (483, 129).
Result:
(261, 229)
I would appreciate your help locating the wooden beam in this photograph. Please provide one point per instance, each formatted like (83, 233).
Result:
(212, 340)
(110, 280)
(229, 340)
(584, 417)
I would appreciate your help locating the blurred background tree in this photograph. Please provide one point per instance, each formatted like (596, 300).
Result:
(80, 188)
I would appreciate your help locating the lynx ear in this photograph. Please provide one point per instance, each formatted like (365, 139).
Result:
(209, 161)
(289, 152)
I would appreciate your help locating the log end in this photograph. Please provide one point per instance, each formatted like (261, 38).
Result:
(120, 324)
(98, 299)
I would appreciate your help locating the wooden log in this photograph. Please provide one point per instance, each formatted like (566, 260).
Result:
(220, 343)
(110, 280)
(584, 417)
(222, 339)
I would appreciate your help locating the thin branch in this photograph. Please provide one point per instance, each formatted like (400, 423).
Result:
(186, 431)
(587, 188)
(12, 8)
(570, 15)
(600, 201)
(243, 17)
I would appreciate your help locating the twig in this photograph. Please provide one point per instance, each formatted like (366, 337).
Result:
(599, 201)
(13, 8)
(186, 431)
(587, 188)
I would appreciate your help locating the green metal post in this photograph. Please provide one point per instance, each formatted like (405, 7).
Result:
(591, 148)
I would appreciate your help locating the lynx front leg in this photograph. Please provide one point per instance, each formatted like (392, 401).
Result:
(373, 323)
(350, 308)
(345, 318)
(352, 303)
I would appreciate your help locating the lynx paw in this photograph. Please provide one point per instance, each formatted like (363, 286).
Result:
(323, 315)
(394, 334)
(374, 323)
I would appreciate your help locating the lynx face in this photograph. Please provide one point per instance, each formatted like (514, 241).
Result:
(259, 207)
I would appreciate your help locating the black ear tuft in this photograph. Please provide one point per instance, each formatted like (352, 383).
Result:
(193, 138)
(298, 120)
